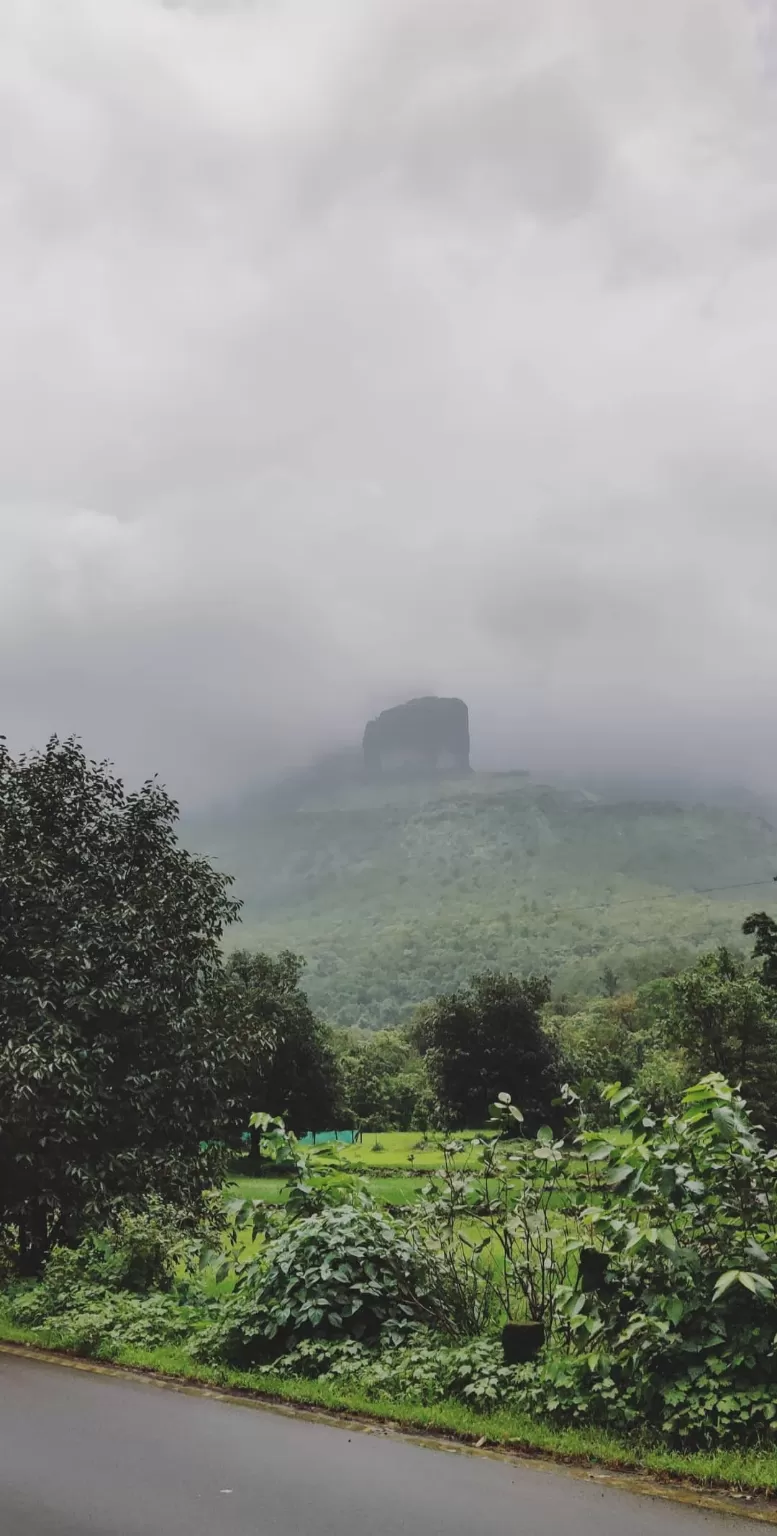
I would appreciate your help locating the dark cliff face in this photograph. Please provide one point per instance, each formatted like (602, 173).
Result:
(423, 736)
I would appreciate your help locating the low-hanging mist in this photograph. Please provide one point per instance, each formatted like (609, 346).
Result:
(351, 353)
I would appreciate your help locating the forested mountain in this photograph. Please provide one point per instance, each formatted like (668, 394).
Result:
(394, 893)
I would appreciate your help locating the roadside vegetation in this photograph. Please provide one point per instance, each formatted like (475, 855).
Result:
(557, 1228)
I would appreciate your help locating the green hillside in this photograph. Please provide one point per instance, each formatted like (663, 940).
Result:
(395, 895)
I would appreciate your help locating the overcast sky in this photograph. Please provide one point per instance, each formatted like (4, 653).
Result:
(375, 347)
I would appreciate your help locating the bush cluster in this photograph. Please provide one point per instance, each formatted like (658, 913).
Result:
(129, 1283)
(646, 1249)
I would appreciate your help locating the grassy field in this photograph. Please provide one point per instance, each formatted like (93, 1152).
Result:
(398, 1149)
(397, 1191)
(403, 1152)
(395, 1150)
(382, 1153)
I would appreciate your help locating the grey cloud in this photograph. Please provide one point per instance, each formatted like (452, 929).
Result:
(360, 350)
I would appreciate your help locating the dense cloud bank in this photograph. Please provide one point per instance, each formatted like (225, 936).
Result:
(355, 351)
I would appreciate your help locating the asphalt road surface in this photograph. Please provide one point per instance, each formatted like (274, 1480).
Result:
(93, 1455)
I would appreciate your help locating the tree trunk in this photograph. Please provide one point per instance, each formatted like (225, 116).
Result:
(33, 1242)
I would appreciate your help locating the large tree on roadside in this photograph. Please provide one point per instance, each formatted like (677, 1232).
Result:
(281, 1055)
(724, 1019)
(485, 1039)
(110, 1070)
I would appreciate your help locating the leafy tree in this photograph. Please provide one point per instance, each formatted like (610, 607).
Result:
(488, 1038)
(384, 1080)
(281, 1056)
(110, 937)
(765, 948)
(724, 1018)
(621, 1037)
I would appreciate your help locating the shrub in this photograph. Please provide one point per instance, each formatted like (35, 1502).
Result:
(344, 1270)
(332, 1263)
(122, 1285)
(419, 1367)
(680, 1335)
(93, 1319)
(139, 1250)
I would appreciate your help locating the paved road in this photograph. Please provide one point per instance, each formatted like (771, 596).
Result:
(92, 1455)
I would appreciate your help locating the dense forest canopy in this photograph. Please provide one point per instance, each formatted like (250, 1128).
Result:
(396, 894)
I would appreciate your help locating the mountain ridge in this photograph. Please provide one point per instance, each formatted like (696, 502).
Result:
(395, 892)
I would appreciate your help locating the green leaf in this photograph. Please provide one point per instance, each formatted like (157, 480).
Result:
(757, 1285)
(726, 1121)
(756, 1252)
(620, 1097)
(576, 1304)
(619, 1174)
(638, 1238)
(760, 1285)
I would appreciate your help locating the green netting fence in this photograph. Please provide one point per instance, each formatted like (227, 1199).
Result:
(318, 1138)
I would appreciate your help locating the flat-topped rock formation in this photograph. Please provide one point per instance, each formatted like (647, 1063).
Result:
(421, 737)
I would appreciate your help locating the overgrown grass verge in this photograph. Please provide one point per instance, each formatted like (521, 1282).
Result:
(747, 1471)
